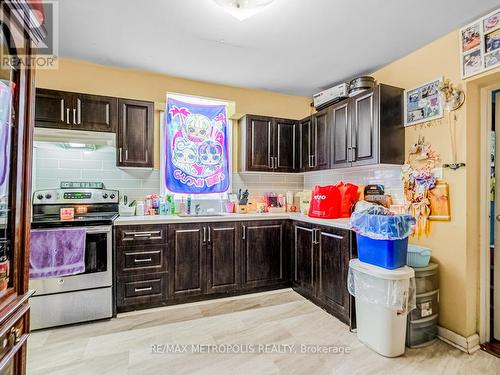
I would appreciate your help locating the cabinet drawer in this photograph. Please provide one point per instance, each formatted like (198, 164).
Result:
(138, 292)
(13, 335)
(138, 235)
(133, 261)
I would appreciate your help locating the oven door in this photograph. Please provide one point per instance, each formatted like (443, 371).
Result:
(98, 266)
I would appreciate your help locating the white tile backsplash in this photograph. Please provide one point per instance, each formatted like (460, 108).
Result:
(53, 164)
(387, 175)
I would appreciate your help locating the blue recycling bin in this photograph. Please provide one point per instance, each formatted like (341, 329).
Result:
(382, 240)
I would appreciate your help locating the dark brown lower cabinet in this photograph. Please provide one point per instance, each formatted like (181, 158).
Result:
(303, 273)
(263, 255)
(187, 248)
(223, 257)
(170, 264)
(140, 292)
(321, 262)
(333, 264)
(141, 265)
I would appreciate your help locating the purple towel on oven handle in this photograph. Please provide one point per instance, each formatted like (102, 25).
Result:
(57, 252)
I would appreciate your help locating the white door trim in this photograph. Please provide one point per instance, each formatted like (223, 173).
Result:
(484, 229)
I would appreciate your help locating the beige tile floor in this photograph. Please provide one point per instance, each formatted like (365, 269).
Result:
(123, 346)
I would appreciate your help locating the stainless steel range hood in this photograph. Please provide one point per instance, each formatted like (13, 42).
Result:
(74, 136)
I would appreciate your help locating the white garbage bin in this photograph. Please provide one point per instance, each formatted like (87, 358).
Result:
(383, 299)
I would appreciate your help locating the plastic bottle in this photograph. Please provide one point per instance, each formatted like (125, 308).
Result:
(182, 207)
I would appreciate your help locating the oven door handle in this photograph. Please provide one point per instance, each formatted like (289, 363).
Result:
(96, 230)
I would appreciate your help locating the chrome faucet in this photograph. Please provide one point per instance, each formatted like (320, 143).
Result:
(197, 209)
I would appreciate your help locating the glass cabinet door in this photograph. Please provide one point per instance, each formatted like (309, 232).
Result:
(9, 81)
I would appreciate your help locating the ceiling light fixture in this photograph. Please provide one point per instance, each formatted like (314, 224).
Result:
(242, 9)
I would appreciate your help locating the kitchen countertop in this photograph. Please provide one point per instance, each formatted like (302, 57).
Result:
(174, 219)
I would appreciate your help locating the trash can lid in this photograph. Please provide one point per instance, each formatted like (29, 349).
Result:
(402, 273)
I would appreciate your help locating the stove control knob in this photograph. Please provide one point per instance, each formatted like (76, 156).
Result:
(105, 195)
(48, 196)
(112, 196)
(39, 197)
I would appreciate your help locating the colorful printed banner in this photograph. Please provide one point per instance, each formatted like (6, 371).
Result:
(196, 148)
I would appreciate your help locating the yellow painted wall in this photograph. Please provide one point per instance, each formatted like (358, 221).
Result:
(455, 244)
(80, 76)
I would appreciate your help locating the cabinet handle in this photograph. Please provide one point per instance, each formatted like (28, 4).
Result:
(120, 153)
(67, 116)
(353, 153)
(143, 260)
(275, 162)
(244, 232)
(62, 110)
(126, 154)
(149, 288)
(204, 234)
(74, 116)
(142, 234)
(79, 111)
(209, 230)
(315, 236)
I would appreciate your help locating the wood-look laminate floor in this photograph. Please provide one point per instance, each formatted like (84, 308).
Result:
(124, 346)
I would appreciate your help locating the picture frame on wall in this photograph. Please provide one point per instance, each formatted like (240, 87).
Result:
(439, 199)
(423, 103)
(480, 45)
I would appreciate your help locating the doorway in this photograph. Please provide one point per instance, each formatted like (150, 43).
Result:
(492, 343)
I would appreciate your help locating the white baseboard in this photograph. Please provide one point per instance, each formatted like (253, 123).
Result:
(466, 344)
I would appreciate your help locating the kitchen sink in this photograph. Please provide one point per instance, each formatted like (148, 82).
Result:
(201, 215)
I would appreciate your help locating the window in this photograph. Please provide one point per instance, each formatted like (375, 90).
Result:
(195, 147)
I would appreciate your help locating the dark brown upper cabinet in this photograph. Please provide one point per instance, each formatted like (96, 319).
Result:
(135, 139)
(52, 109)
(268, 144)
(368, 128)
(68, 110)
(315, 132)
(95, 113)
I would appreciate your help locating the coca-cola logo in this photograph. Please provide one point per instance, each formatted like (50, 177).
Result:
(319, 197)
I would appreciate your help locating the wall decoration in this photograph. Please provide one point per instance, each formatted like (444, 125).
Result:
(418, 179)
(480, 45)
(423, 103)
(439, 199)
(196, 148)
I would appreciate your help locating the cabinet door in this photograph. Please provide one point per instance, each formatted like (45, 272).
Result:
(95, 113)
(340, 140)
(53, 109)
(284, 145)
(187, 248)
(321, 126)
(223, 257)
(333, 264)
(305, 145)
(364, 137)
(262, 256)
(135, 133)
(303, 277)
(259, 143)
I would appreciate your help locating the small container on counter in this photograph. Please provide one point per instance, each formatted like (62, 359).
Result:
(229, 207)
(139, 209)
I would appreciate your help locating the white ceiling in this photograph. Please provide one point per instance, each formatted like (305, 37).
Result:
(293, 46)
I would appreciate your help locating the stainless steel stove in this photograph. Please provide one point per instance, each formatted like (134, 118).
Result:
(88, 295)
